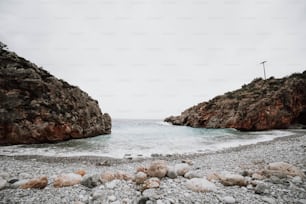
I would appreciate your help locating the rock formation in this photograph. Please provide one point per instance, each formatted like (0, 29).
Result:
(260, 105)
(36, 107)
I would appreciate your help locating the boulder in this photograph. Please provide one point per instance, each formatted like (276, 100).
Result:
(119, 175)
(193, 174)
(200, 185)
(40, 182)
(278, 168)
(81, 172)
(69, 179)
(91, 181)
(151, 183)
(140, 177)
(257, 176)
(157, 169)
(181, 169)
(36, 107)
(213, 177)
(171, 173)
(259, 105)
(232, 180)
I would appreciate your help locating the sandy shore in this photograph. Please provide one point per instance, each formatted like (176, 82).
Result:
(249, 158)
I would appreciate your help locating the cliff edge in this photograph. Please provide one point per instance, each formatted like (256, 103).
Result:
(260, 105)
(36, 107)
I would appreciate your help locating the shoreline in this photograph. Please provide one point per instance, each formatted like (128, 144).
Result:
(237, 160)
(113, 160)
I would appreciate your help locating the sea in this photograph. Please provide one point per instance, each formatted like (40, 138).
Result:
(146, 138)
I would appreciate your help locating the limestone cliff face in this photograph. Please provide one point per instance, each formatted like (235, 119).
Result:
(260, 105)
(36, 107)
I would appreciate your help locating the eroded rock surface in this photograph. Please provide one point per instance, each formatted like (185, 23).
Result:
(36, 107)
(260, 105)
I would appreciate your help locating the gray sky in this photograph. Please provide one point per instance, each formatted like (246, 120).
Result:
(155, 58)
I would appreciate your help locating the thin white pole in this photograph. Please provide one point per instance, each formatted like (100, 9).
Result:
(264, 68)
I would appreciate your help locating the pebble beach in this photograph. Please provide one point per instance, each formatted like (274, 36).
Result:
(245, 161)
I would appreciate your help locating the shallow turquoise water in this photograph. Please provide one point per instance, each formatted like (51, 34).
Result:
(146, 137)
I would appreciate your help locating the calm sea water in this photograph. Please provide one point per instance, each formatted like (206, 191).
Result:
(142, 138)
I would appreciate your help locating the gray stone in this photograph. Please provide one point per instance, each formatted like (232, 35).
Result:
(269, 200)
(159, 202)
(4, 175)
(112, 184)
(3, 183)
(181, 169)
(302, 201)
(140, 177)
(143, 200)
(91, 181)
(24, 176)
(275, 180)
(228, 199)
(200, 185)
(112, 198)
(98, 194)
(18, 183)
(150, 193)
(171, 173)
(297, 180)
(261, 188)
(193, 174)
(151, 183)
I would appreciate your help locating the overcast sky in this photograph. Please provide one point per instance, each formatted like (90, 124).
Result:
(155, 58)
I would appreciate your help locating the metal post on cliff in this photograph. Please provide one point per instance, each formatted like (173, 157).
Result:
(263, 64)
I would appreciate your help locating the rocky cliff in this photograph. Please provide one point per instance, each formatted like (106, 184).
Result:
(36, 107)
(260, 105)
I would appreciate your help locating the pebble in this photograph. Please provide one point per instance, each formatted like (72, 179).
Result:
(98, 194)
(3, 183)
(269, 200)
(140, 177)
(275, 180)
(112, 184)
(24, 176)
(150, 193)
(18, 183)
(171, 173)
(4, 175)
(151, 183)
(91, 181)
(228, 200)
(112, 198)
(157, 169)
(69, 179)
(230, 179)
(200, 185)
(170, 191)
(261, 188)
(143, 200)
(193, 174)
(181, 169)
(302, 201)
(297, 180)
